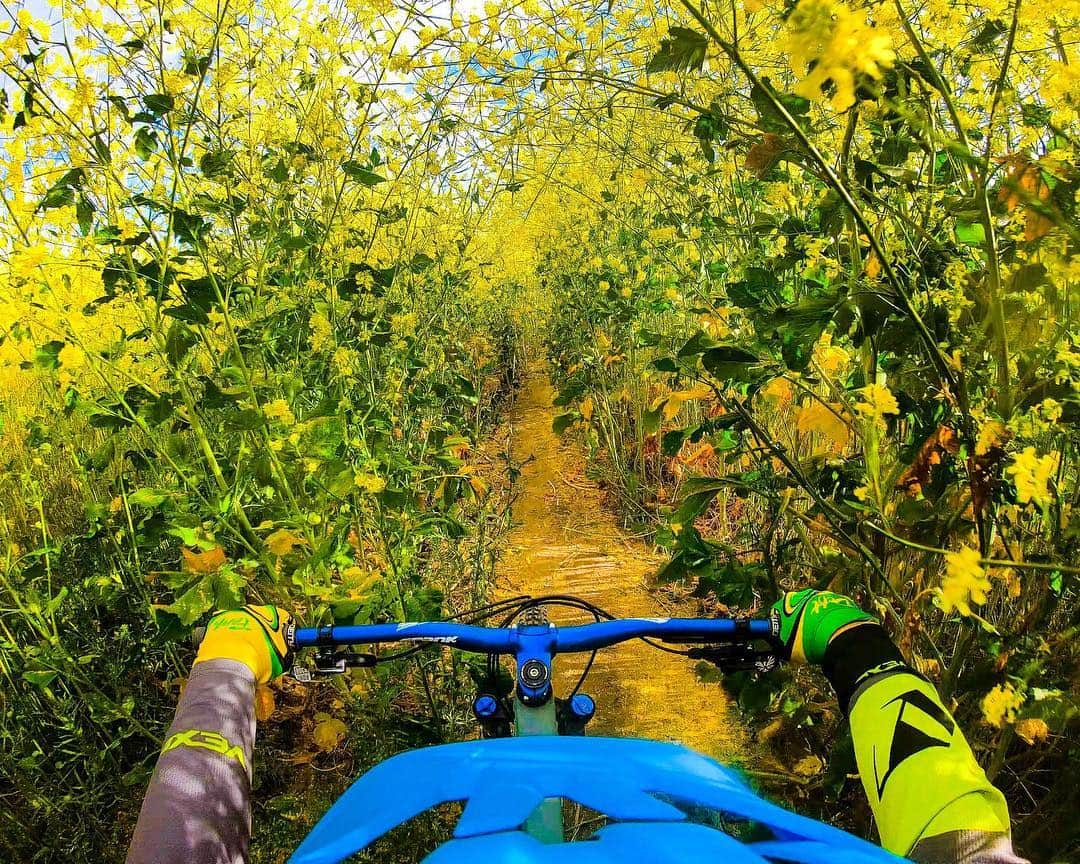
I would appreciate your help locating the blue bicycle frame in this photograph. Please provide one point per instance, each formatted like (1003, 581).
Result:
(534, 646)
(512, 788)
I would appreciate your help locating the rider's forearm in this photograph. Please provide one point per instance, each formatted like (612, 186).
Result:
(931, 800)
(197, 808)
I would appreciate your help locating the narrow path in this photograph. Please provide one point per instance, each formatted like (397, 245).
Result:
(563, 541)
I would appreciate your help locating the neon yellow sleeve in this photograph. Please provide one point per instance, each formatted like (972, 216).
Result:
(919, 773)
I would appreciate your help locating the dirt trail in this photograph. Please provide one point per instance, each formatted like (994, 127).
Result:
(564, 541)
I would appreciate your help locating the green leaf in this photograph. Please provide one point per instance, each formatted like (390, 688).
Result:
(39, 678)
(189, 313)
(159, 103)
(344, 612)
(728, 363)
(699, 493)
(202, 294)
(279, 171)
(769, 118)
(733, 584)
(189, 227)
(361, 173)
(757, 287)
(683, 50)
(216, 163)
(146, 143)
(675, 570)
(84, 214)
(121, 106)
(193, 603)
(420, 262)
(1035, 115)
(195, 65)
(246, 420)
(699, 343)
(62, 193)
(47, 356)
(797, 328)
(179, 340)
(299, 241)
(562, 422)
(228, 587)
(147, 497)
(673, 441)
(651, 420)
(970, 233)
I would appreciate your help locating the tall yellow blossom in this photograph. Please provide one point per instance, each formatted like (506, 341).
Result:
(1000, 705)
(831, 359)
(965, 581)
(840, 45)
(1031, 474)
(279, 410)
(876, 402)
(24, 262)
(825, 420)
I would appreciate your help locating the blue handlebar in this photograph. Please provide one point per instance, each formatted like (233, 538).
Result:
(553, 639)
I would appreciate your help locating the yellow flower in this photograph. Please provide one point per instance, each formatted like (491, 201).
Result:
(831, 359)
(24, 262)
(1000, 705)
(839, 45)
(369, 483)
(965, 581)
(1051, 409)
(322, 332)
(823, 419)
(403, 324)
(279, 410)
(1031, 474)
(346, 362)
(876, 402)
(1033, 730)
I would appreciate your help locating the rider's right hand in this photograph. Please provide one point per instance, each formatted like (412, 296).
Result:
(810, 620)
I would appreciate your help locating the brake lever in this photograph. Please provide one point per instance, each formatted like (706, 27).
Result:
(736, 657)
(329, 662)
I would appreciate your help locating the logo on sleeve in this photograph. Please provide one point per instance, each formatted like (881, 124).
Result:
(215, 742)
(920, 724)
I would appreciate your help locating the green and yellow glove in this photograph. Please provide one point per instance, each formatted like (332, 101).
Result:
(253, 635)
(810, 620)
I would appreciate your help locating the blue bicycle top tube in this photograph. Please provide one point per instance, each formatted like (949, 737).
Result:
(556, 640)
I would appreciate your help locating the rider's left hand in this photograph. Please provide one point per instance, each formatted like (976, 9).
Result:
(253, 635)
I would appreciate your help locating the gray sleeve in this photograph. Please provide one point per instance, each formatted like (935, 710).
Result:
(966, 847)
(197, 808)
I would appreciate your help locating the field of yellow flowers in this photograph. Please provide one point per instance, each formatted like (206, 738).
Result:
(804, 273)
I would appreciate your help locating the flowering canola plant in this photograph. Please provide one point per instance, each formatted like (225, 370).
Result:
(264, 268)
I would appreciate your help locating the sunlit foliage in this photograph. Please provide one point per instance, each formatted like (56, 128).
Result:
(805, 273)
